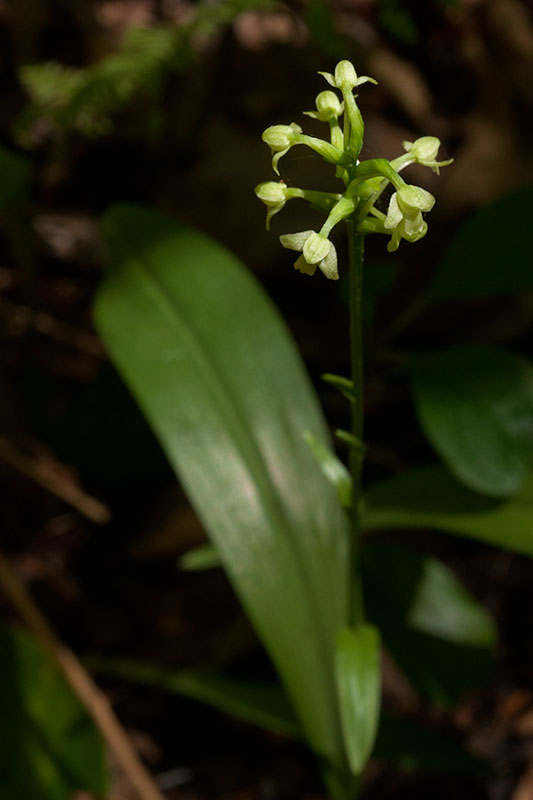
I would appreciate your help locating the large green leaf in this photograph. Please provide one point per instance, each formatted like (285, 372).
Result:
(476, 407)
(429, 497)
(49, 747)
(211, 364)
(438, 633)
(491, 254)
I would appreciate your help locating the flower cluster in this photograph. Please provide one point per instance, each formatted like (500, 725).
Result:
(364, 181)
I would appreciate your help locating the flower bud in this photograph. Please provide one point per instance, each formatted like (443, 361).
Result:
(345, 75)
(328, 106)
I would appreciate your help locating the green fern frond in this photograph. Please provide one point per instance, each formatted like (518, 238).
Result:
(85, 99)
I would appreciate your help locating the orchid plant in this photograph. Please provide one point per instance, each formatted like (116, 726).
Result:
(364, 183)
(242, 427)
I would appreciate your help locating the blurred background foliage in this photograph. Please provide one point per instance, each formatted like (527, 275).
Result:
(162, 102)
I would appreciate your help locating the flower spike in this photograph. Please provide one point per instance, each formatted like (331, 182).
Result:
(364, 181)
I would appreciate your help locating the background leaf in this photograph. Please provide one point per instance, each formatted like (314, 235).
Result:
(438, 633)
(429, 497)
(413, 748)
(16, 177)
(262, 704)
(214, 370)
(49, 747)
(491, 254)
(475, 405)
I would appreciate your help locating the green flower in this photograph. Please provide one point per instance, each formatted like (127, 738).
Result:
(317, 251)
(280, 139)
(424, 151)
(274, 196)
(328, 107)
(404, 216)
(346, 77)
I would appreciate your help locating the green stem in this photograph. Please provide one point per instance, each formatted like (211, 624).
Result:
(356, 254)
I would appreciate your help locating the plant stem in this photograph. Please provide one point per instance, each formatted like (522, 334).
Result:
(356, 254)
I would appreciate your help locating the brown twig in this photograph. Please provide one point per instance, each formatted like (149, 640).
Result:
(66, 490)
(92, 698)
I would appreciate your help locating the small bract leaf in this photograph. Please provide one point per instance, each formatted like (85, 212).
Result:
(358, 680)
(199, 558)
(332, 467)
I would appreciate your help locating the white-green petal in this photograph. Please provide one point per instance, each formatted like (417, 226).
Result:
(366, 79)
(272, 211)
(395, 239)
(329, 77)
(394, 214)
(328, 265)
(276, 158)
(295, 241)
